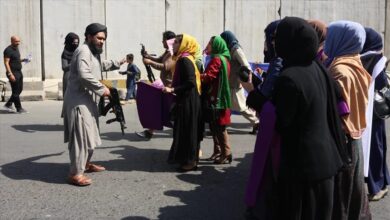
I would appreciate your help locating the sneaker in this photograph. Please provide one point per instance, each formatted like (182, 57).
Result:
(144, 134)
(255, 128)
(22, 111)
(9, 109)
(379, 195)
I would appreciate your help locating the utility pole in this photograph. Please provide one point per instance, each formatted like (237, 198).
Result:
(387, 29)
(42, 41)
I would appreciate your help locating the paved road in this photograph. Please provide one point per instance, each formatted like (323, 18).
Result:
(138, 184)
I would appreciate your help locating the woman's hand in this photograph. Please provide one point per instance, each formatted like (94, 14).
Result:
(168, 90)
(146, 61)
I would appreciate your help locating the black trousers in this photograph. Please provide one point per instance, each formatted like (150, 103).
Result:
(17, 88)
(304, 200)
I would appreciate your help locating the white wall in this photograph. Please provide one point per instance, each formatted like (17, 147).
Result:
(60, 18)
(21, 18)
(248, 19)
(131, 22)
(200, 18)
(368, 13)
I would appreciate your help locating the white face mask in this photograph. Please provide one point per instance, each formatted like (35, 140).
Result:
(170, 45)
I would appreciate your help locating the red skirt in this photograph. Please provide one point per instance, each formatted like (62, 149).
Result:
(224, 117)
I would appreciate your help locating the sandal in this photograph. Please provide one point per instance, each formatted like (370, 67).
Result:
(90, 167)
(79, 180)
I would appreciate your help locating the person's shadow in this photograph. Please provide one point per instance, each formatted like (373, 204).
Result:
(219, 194)
(2, 111)
(29, 169)
(131, 136)
(130, 159)
(38, 127)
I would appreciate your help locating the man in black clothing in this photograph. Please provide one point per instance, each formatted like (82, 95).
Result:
(13, 67)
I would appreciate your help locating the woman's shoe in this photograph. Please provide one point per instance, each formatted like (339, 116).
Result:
(214, 157)
(255, 128)
(380, 195)
(224, 159)
(188, 167)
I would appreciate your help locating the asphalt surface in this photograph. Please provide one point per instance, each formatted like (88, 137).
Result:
(138, 183)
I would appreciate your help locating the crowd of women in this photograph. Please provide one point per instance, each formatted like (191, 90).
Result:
(317, 92)
(318, 130)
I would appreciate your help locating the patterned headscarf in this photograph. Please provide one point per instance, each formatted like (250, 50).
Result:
(219, 49)
(342, 38)
(190, 48)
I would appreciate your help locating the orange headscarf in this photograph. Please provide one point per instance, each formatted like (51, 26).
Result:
(191, 49)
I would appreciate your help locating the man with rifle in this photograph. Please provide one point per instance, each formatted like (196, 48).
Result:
(80, 110)
(165, 64)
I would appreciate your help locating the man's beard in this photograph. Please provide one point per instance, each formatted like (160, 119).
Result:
(94, 48)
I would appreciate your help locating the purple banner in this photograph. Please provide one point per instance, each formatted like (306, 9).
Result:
(153, 106)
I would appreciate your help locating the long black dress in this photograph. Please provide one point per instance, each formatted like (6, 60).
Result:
(186, 114)
(309, 126)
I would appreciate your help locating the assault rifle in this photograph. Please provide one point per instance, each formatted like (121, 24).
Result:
(116, 107)
(147, 66)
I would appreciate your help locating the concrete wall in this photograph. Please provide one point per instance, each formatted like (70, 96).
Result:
(130, 23)
(138, 21)
(60, 18)
(248, 19)
(387, 30)
(201, 18)
(368, 13)
(21, 17)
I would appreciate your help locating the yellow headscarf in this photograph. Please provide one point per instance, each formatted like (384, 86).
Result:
(191, 49)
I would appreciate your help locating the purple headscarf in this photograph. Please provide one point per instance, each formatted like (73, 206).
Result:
(342, 38)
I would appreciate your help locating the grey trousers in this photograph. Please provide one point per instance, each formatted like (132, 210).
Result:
(351, 201)
(80, 149)
(239, 104)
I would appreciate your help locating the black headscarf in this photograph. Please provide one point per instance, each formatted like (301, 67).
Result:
(69, 46)
(373, 41)
(269, 31)
(373, 44)
(230, 39)
(69, 41)
(296, 42)
(95, 28)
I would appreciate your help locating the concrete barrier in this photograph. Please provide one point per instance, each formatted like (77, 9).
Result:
(120, 84)
(32, 91)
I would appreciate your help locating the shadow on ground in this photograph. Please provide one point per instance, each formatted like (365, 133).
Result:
(38, 127)
(29, 169)
(2, 111)
(131, 136)
(129, 159)
(219, 193)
